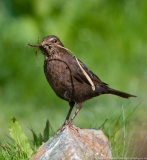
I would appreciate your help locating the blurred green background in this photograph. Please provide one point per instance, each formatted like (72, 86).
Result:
(108, 36)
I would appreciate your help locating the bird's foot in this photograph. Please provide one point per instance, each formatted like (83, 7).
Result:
(73, 127)
(66, 123)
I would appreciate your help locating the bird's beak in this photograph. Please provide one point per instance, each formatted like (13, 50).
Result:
(42, 43)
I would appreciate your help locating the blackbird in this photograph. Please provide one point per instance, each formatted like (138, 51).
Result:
(69, 78)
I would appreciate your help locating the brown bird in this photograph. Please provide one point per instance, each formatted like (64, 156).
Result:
(70, 79)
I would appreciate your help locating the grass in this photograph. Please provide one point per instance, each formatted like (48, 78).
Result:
(18, 146)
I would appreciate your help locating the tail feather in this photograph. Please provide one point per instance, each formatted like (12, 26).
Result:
(119, 93)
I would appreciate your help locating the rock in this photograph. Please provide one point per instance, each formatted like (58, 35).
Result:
(74, 143)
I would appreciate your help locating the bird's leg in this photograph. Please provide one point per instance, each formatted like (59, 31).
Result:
(79, 106)
(71, 104)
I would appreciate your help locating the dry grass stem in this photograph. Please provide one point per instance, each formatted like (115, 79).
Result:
(86, 75)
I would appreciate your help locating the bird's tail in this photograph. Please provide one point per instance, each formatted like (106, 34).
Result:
(119, 93)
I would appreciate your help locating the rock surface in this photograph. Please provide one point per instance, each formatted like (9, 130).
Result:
(75, 144)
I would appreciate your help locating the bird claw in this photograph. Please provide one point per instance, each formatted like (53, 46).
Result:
(69, 125)
(66, 123)
(73, 128)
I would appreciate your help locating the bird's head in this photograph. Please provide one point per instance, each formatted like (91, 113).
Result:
(49, 45)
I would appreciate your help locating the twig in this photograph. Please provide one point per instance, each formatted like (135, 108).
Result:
(66, 49)
(86, 75)
(33, 45)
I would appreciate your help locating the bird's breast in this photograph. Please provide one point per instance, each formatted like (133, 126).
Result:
(59, 77)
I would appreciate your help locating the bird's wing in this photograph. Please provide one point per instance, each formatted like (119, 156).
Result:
(79, 76)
